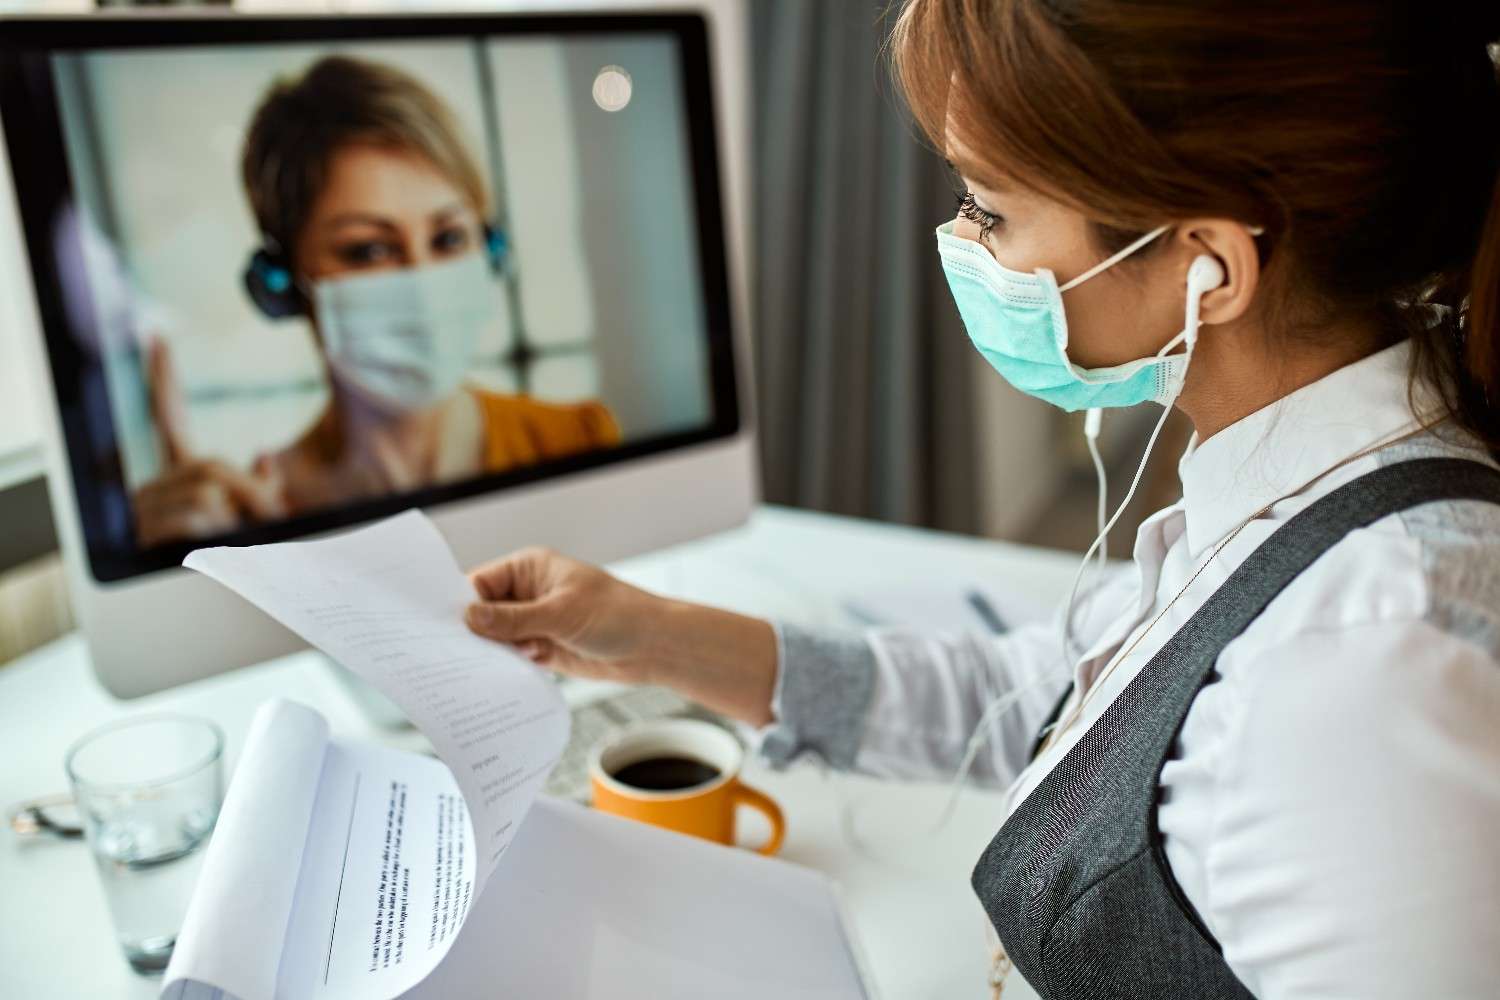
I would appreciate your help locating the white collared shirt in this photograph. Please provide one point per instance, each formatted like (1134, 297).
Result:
(1333, 808)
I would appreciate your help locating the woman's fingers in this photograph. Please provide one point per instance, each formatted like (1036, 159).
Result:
(168, 406)
(514, 621)
(534, 649)
(202, 499)
(492, 581)
(520, 576)
(563, 614)
(258, 494)
(180, 509)
(268, 474)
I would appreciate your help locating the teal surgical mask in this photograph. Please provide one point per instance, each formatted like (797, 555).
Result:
(1016, 320)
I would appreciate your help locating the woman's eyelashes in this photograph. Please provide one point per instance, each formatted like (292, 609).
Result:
(367, 253)
(370, 253)
(450, 240)
(969, 209)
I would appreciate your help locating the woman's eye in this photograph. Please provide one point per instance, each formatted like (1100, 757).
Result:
(367, 253)
(451, 240)
(969, 209)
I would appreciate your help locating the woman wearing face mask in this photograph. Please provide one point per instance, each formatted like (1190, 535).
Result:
(373, 211)
(1265, 760)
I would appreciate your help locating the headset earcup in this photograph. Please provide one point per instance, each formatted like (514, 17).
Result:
(497, 246)
(269, 284)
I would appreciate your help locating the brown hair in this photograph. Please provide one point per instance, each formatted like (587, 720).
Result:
(1364, 137)
(301, 122)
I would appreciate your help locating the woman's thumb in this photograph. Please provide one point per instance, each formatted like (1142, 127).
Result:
(268, 474)
(511, 621)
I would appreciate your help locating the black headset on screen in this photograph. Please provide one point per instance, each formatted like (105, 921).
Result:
(269, 283)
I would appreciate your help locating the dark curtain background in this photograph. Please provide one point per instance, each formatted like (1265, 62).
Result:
(863, 366)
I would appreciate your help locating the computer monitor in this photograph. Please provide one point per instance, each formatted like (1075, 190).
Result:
(292, 274)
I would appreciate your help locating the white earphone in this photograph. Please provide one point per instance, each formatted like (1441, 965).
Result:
(1205, 274)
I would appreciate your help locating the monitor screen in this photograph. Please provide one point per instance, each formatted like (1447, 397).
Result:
(295, 274)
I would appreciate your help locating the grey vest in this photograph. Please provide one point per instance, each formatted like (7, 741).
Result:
(1076, 882)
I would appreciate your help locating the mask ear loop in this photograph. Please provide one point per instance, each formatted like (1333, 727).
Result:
(1114, 258)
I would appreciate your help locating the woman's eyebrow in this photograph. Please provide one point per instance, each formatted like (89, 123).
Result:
(449, 211)
(359, 219)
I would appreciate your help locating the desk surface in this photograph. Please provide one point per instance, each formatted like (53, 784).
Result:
(914, 914)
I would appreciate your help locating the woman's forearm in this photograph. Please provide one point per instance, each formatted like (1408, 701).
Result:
(724, 661)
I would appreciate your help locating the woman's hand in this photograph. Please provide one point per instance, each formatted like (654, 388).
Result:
(566, 615)
(576, 619)
(195, 497)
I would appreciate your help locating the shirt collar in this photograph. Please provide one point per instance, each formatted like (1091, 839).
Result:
(1278, 448)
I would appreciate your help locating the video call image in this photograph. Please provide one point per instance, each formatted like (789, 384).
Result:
(319, 274)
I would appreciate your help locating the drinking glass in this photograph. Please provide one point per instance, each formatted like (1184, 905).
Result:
(148, 791)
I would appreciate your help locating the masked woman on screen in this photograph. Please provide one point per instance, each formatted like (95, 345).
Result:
(374, 218)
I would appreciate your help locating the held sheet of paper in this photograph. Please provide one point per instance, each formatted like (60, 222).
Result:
(393, 851)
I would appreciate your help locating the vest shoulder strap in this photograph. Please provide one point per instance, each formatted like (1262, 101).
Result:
(1299, 543)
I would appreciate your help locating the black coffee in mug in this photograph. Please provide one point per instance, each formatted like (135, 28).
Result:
(666, 774)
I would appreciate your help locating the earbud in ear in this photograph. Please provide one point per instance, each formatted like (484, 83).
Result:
(1204, 274)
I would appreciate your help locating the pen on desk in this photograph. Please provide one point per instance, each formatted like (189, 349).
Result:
(986, 611)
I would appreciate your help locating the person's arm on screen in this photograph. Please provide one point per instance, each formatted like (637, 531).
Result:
(195, 497)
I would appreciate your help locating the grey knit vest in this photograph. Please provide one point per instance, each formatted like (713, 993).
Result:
(1076, 882)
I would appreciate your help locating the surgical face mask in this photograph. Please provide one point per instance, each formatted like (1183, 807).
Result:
(404, 339)
(1016, 320)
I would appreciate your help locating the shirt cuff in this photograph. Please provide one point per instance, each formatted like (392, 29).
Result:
(825, 681)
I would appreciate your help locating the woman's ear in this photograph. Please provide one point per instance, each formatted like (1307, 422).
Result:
(1232, 245)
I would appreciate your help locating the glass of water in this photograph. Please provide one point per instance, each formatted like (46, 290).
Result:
(148, 791)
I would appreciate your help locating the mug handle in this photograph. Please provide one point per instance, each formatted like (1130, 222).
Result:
(744, 795)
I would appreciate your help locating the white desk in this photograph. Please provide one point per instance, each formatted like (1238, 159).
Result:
(915, 916)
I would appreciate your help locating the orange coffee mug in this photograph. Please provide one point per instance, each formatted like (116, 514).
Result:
(682, 774)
